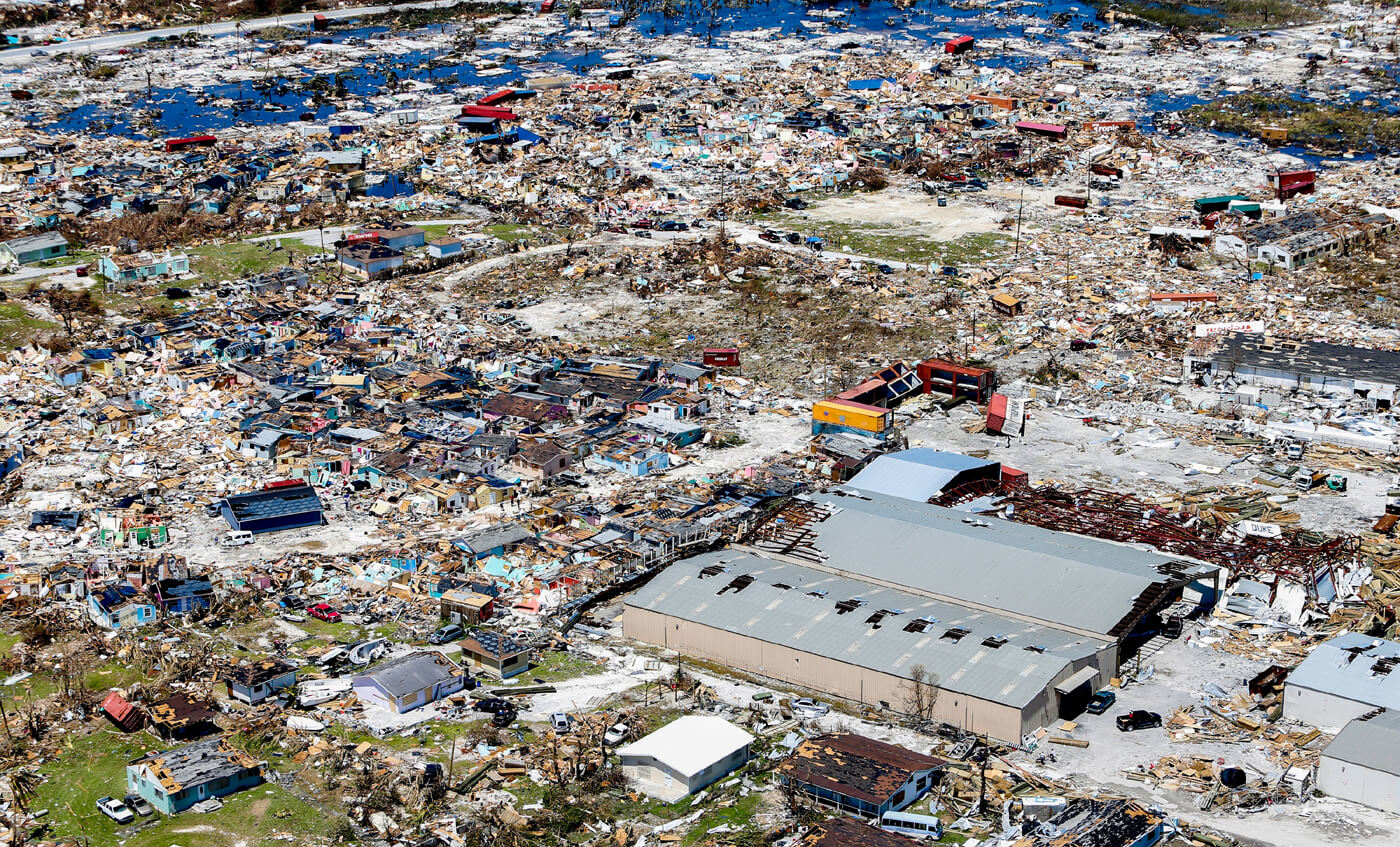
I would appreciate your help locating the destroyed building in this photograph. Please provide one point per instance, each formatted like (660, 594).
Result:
(1286, 365)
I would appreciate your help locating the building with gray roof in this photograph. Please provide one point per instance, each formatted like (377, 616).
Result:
(849, 593)
(1343, 679)
(1362, 764)
(411, 681)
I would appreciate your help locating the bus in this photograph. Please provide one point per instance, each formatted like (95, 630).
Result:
(912, 825)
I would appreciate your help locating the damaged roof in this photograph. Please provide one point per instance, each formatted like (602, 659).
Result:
(197, 763)
(855, 766)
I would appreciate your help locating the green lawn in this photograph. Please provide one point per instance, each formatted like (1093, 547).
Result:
(557, 666)
(94, 766)
(17, 326)
(242, 258)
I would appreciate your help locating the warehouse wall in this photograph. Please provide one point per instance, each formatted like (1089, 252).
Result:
(819, 673)
(1320, 709)
(1359, 784)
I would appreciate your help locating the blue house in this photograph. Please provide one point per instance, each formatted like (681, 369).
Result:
(493, 541)
(399, 236)
(37, 248)
(632, 459)
(445, 248)
(133, 268)
(291, 507)
(119, 606)
(254, 682)
(174, 780)
(370, 260)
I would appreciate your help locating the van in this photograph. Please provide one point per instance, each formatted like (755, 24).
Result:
(236, 538)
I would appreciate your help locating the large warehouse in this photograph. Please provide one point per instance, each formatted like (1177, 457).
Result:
(847, 592)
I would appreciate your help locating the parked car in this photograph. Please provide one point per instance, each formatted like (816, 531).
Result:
(444, 634)
(236, 538)
(138, 804)
(616, 228)
(642, 233)
(770, 236)
(1101, 702)
(560, 722)
(645, 223)
(323, 612)
(673, 226)
(809, 707)
(115, 809)
(884, 269)
(616, 734)
(214, 509)
(1138, 719)
(291, 601)
(1082, 344)
(491, 704)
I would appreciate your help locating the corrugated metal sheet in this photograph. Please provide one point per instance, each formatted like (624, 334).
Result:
(1056, 577)
(1354, 666)
(805, 616)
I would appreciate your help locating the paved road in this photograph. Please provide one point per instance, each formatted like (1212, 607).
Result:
(104, 43)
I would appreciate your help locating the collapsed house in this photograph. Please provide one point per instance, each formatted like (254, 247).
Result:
(859, 776)
(987, 625)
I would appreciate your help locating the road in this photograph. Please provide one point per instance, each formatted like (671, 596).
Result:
(740, 233)
(105, 43)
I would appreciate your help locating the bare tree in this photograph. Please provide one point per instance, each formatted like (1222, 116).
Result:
(922, 693)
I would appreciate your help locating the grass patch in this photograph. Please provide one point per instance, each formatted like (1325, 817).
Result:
(557, 666)
(17, 326)
(94, 766)
(1319, 125)
(243, 258)
(738, 816)
(1219, 15)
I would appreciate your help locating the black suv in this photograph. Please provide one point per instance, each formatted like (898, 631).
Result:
(1138, 720)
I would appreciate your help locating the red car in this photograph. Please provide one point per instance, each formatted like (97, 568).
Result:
(322, 612)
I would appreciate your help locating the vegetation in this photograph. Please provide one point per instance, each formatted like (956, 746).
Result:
(1318, 125)
(1218, 15)
(240, 259)
(18, 327)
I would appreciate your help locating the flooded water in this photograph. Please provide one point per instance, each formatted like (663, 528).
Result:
(167, 112)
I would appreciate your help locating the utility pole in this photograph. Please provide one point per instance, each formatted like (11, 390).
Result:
(5, 718)
(1019, 211)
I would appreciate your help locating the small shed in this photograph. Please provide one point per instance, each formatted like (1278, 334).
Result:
(493, 653)
(1005, 304)
(685, 755)
(122, 712)
(466, 607)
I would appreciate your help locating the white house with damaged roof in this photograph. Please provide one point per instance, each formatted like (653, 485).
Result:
(1302, 238)
(411, 681)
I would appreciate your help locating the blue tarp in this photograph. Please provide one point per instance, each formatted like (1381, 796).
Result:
(867, 84)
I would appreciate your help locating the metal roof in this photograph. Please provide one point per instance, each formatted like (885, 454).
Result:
(806, 616)
(414, 672)
(1372, 742)
(691, 743)
(1308, 358)
(916, 474)
(1056, 577)
(1355, 667)
(279, 502)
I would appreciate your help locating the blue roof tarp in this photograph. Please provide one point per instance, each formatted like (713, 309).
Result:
(867, 84)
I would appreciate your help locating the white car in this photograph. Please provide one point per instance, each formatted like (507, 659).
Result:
(809, 707)
(320, 258)
(115, 809)
(236, 538)
(616, 734)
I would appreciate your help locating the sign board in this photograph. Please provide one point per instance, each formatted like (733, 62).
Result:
(1260, 529)
(1205, 330)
